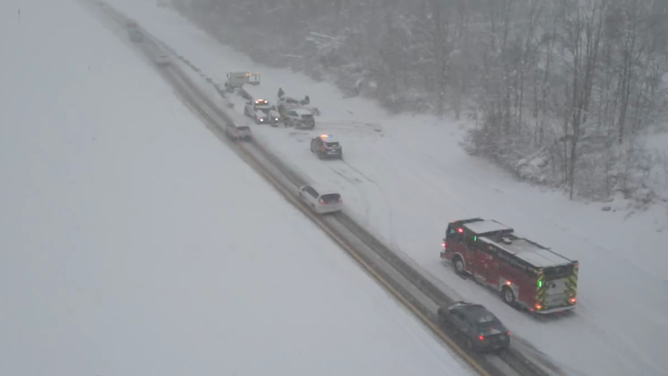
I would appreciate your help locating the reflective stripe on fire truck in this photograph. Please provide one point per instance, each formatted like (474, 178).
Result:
(572, 282)
(540, 290)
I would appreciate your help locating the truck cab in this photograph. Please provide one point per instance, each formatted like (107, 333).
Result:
(236, 80)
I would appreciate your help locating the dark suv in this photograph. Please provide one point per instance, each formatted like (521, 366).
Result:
(480, 329)
(326, 146)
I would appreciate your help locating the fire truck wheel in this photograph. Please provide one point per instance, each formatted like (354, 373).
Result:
(459, 265)
(508, 295)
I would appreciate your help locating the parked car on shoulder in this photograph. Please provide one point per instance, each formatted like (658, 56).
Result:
(320, 199)
(162, 60)
(478, 327)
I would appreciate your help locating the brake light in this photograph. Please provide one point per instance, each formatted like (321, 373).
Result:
(508, 283)
(482, 338)
(460, 230)
(572, 300)
(508, 334)
(444, 245)
(538, 306)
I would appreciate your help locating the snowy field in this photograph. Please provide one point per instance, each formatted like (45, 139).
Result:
(134, 243)
(406, 177)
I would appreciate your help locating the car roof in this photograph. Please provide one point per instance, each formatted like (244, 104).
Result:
(470, 308)
(461, 304)
(328, 138)
(322, 189)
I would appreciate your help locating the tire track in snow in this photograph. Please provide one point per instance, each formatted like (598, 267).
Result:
(385, 198)
(355, 182)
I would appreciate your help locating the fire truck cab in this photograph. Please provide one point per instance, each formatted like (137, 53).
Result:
(526, 274)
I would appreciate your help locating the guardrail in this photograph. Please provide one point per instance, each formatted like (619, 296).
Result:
(513, 358)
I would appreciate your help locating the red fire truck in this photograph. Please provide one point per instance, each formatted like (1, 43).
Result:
(526, 274)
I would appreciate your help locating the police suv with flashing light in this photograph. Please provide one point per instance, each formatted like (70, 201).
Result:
(326, 146)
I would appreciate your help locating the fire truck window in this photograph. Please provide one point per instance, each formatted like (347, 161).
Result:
(454, 235)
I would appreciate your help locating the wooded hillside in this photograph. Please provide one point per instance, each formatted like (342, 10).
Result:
(563, 92)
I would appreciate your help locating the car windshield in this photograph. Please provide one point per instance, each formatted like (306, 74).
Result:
(331, 198)
(307, 116)
(332, 144)
(485, 321)
(243, 128)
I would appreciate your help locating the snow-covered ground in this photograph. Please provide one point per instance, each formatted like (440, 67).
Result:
(406, 177)
(134, 243)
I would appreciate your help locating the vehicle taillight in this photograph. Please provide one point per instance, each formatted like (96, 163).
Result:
(444, 245)
(572, 300)
(508, 334)
(482, 338)
(321, 201)
(538, 306)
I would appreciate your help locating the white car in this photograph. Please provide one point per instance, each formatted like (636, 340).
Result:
(262, 111)
(299, 118)
(162, 60)
(320, 199)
